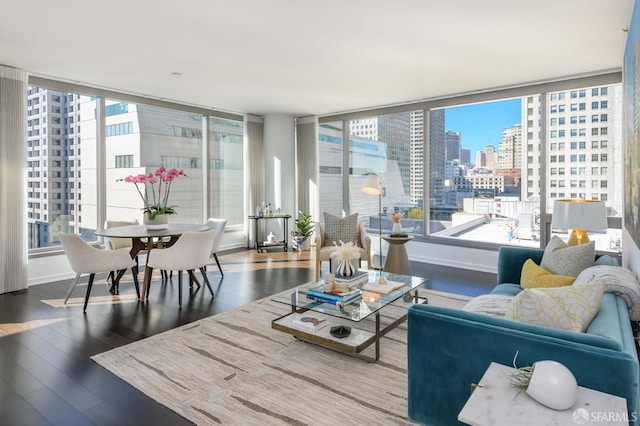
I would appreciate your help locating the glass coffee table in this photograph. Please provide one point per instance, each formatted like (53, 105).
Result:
(361, 315)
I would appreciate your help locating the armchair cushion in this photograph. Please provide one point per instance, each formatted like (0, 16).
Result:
(338, 229)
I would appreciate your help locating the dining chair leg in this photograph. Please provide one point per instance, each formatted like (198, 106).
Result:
(203, 271)
(74, 282)
(193, 278)
(134, 272)
(179, 289)
(215, 256)
(86, 298)
(147, 284)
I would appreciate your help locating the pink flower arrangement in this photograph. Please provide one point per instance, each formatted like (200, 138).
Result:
(160, 198)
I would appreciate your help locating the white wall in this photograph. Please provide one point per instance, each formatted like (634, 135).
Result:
(279, 166)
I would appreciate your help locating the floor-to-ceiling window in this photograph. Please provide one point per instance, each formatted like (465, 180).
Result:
(79, 143)
(330, 163)
(226, 195)
(584, 153)
(152, 137)
(487, 168)
(61, 170)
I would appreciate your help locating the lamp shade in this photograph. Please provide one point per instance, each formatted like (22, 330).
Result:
(372, 186)
(589, 215)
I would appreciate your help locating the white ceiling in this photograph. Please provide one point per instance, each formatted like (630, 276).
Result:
(306, 57)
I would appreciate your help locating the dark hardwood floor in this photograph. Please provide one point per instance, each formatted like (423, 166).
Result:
(47, 376)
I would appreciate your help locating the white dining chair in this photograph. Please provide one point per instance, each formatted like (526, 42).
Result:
(218, 225)
(189, 253)
(85, 259)
(114, 243)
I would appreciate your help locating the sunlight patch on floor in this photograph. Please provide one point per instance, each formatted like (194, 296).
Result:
(93, 300)
(14, 328)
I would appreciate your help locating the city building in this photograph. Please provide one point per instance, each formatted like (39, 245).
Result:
(510, 148)
(581, 146)
(452, 145)
(465, 156)
(487, 158)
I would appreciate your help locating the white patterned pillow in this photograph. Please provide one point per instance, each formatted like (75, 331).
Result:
(338, 229)
(561, 259)
(567, 308)
(489, 304)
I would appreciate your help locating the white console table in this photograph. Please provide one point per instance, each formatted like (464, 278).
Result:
(496, 403)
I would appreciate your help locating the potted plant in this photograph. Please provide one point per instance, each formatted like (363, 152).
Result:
(304, 228)
(155, 199)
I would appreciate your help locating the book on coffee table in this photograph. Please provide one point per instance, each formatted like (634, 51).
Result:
(308, 322)
(357, 278)
(387, 288)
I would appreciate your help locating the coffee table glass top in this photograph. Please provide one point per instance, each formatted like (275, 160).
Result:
(358, 309)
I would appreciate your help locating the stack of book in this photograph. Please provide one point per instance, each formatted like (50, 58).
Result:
(360, 277)
(318, 295)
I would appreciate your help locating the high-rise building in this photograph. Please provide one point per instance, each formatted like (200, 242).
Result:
(582, 144)
(416, 190)
(510, 148)
(436, 156)
(465, 156)
(487, 158)
(452, 145)
(394, 131)
(53, 161)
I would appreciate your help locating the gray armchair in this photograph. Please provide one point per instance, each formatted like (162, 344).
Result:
(323, 253)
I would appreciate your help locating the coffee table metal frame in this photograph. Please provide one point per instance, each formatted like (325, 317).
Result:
(350, 314)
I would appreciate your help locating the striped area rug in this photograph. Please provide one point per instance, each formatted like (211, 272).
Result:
(234, 369)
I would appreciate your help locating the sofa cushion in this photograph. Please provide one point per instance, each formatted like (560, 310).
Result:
(534, 276)
(562, 259)
(567, 308)
(338, 229)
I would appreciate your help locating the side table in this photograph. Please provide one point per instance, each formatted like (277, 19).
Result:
(397, 260)
(495, 402)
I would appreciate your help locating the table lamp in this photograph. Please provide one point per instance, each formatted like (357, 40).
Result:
(580, 216)
(372, 186)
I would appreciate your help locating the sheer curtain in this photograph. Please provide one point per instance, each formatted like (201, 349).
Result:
(13, 160)
(307, 165)
(254, 169)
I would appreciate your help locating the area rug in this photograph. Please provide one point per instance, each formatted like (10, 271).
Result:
(233, 368)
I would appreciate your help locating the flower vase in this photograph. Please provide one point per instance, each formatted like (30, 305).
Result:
(158, 222)
(345, 268)
(397, 229)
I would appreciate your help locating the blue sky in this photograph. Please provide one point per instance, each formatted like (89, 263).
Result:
(481, 124)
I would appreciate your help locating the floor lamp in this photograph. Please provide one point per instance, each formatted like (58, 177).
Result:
(372, 187)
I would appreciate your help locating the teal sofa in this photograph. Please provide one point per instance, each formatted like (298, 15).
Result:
(449, 349)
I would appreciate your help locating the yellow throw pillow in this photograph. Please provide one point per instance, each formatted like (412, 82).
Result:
(567, 308)
(534, 276)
